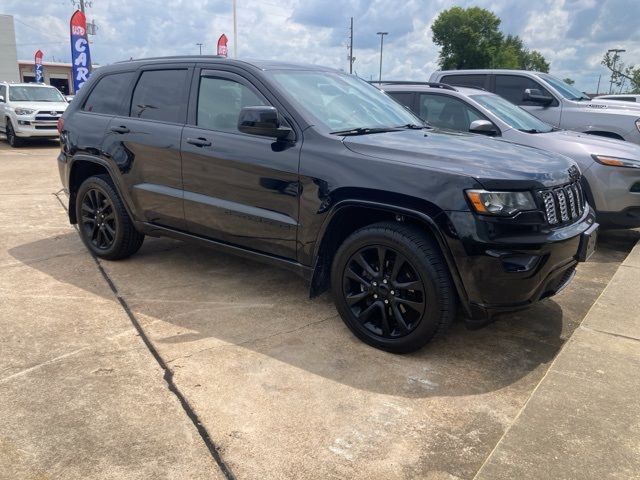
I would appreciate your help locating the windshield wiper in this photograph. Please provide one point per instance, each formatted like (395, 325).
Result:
(530, 130)
(413, 126)
(365, 130)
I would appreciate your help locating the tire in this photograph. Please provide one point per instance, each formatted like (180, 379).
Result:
(12, 139)
(414, 282)
(103, 222)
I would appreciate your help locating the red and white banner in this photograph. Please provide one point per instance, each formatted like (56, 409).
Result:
(222, 45)
(38, 70)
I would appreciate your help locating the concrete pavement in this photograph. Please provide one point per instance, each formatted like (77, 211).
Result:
(583, 420)
(279, 384)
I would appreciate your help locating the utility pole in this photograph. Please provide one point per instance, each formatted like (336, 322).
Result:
(235, 31)
(200, 47)
(615, 52)
(351, 59)
(382, 34)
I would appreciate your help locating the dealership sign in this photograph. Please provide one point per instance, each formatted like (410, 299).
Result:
(80, 56)
(38, 69)
(222, 45)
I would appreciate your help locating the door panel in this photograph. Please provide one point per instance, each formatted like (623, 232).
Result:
(241, 189)
(512, 87)
(146, 145)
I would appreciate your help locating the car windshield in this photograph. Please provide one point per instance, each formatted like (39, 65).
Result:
(564, 89)
(342, 102)
(511, 114)
(34, 94)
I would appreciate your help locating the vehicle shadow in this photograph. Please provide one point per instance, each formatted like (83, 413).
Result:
(193, 301)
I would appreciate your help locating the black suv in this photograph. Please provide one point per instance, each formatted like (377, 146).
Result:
(322, 173)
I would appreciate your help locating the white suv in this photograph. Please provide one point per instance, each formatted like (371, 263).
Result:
(29, 110)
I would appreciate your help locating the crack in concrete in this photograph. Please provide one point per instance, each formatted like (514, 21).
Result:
(168, 373)
(618, 335)
(40, 365)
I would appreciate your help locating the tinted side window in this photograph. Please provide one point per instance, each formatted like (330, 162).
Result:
(471, 80)
(3, 92)
(403, 98)
(512, 88)
(447, 112)
(159, 95)
(220, 101)
(107, 96)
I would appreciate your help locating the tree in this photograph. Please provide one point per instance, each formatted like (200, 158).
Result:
(470, 38)
(621, 73)
(569, 81)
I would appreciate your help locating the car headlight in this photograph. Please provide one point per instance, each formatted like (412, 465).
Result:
(638, 124)
(503, 204)
(616, 161)
(24, 111)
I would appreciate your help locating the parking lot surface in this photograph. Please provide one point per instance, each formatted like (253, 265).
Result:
(280, 385)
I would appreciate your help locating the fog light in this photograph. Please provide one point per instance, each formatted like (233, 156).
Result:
(635, 188)
(24, 122)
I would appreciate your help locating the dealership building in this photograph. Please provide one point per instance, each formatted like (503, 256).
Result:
(13, 70)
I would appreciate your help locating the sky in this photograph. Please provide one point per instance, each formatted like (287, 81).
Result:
(572, 34)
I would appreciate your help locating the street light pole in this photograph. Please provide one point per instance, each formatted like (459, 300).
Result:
(200, 47)
(235, 31)
(615, 51)
(382, 34)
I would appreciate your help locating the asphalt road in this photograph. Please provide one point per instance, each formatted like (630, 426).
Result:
(280, 387)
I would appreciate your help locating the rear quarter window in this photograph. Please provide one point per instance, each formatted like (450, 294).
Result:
(108, 96)
(466, 80)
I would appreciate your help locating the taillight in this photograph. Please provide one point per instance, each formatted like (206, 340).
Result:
(60, 124)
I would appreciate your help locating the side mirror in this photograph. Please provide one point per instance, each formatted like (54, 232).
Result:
(262, 121)
(1, 99)
(536, 96)
(484, 127)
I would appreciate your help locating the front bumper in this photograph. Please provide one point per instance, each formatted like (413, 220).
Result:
(511, 271)
(36, 125)
(615, 194)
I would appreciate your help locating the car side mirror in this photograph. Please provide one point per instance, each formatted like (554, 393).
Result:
(1, 99)
(263, 121)
(534, 95)
(484, 127)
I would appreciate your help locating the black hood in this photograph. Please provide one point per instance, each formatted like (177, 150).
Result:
(492, 162)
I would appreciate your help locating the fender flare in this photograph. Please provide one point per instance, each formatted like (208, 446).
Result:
(83, 157)
(422, 217)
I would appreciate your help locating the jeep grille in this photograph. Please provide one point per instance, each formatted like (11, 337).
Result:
(563, 204)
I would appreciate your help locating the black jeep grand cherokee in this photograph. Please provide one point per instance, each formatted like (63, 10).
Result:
(322, 173)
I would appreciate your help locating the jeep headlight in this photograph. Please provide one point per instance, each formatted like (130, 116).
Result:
(616, 161)
(504, 204)
(24, 111)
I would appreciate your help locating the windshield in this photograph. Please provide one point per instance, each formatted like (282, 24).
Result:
(564, 89)
(342, 102)
(34, 94)
(511, 114)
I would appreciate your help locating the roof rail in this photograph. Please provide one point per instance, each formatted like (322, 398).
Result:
(443, 86)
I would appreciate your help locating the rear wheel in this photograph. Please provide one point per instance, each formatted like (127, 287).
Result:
(392, 287)
(12, 139)
(104, 224)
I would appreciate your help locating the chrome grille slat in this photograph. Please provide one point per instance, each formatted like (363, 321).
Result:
(563, 204)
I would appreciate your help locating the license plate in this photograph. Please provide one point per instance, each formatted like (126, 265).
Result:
(588, 241)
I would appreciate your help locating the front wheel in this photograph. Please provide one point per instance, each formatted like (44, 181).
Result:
(392, 287)
(12, 138)
(104, 223)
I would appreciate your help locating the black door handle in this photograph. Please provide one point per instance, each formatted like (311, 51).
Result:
(120, 129)
(199, 142)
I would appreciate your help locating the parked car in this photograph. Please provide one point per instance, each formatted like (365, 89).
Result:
(553, 101)
(320, 172)
(624, 97)
(611, 168)
(29, 110)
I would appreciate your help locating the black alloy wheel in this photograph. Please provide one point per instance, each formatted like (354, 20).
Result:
(12, 139)
(392, 287)
(384, 291)
(98, 219)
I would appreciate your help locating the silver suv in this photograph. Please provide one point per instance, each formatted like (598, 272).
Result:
(611, 168)
(553, 101)
(29, 110)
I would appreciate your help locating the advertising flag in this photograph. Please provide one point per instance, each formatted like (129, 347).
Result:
(38, 69)
(80, 56)
(222, 45)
